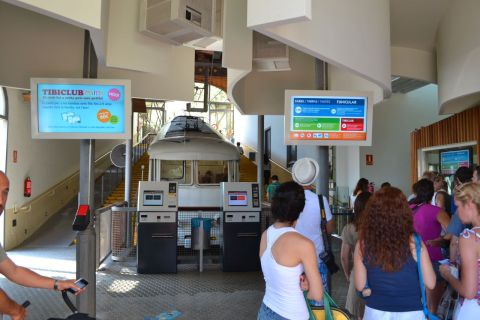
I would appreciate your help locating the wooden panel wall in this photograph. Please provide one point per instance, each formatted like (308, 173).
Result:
(461, 127)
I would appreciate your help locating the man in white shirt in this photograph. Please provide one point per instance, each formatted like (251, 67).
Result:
(304, 172)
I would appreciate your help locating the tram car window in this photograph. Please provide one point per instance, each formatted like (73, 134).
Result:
(176, 170)
(212, 172)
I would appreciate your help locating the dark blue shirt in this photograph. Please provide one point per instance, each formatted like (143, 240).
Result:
(455, 226)
(394, 291)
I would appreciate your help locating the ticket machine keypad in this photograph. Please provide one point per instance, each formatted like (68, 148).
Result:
(255, 196)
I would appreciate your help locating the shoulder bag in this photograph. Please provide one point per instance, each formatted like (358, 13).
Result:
(418, 245)
(329, 310)
(327, 255)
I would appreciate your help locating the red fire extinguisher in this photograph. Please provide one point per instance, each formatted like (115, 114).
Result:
(27, 187)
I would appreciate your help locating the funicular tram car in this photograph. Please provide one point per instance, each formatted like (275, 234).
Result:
(189, 151)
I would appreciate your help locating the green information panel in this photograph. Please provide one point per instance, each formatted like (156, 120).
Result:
(317, 123)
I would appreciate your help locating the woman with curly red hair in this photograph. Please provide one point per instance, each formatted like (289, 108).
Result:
(385, 257)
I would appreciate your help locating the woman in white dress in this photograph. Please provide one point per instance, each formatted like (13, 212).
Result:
(467, 200)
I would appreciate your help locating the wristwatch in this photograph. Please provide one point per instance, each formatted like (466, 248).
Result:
(55, 285)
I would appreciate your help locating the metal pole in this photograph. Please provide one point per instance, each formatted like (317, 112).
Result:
(86, 248)
(128, 170)
(101, 190)
(324, 174)
(202, 245)
(321, 83)
(128, 181)
(260, 153)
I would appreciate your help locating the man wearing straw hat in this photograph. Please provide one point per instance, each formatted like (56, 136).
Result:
(304, 172)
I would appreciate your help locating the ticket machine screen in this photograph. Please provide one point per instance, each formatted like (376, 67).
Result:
(237, 198)
(153, 198)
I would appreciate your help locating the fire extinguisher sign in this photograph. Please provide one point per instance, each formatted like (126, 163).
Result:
(369, 159)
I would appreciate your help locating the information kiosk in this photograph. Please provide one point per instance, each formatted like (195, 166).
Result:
(241, 226)
(157, 227)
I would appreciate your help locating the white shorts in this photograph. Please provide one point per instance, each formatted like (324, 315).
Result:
(374, 314)
(468, 310)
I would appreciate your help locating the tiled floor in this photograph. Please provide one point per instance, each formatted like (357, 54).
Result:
(124, 294)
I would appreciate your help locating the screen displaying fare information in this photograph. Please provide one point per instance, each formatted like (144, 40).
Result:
(81, 109)
(321, 117)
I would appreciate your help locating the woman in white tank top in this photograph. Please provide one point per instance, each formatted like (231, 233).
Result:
(285, 255)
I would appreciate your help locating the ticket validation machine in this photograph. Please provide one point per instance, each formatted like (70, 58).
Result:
(157, 227)
(241, 226)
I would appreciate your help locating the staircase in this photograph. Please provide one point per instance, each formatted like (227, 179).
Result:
(248, 173)
(118, 195)
(248, 170)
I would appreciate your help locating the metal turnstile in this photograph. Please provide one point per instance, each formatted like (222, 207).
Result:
(157, 242)
(241, 241)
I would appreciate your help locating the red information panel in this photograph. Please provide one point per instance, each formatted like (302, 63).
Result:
(351, 124)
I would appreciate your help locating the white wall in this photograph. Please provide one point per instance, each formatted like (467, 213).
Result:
(37, 46)
(393, 120)
(359, 43)
(414, 64)
(264, 92)
(246, 133)
(458, 57)
(127, 48)
(47, 162)
(279, 150)
(347, 158)
(158, 70)
(237, 38)
(347, 170)
(277, 12)
(85, 13)
(246, 128)
(237, 49)
(341, 79)
(34, 45)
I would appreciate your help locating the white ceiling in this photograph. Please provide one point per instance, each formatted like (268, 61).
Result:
(414, 23)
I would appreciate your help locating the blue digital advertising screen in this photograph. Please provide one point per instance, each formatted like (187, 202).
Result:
(324, 117)
(450, 161)
(81, 109)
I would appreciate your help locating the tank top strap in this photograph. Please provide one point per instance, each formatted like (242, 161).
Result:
(274, 233)
(471, 232)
